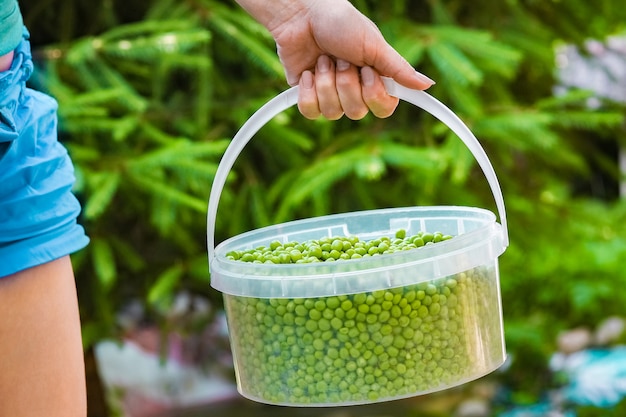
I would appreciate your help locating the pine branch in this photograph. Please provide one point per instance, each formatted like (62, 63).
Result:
(486, 52)
(454, 64)
(156, 187)
(181, 150)
(104, 263)
(104, 185)
(589, 120)
(410, 157)
(156, 46)
(143, 28)
(319, 177)
(236, 30)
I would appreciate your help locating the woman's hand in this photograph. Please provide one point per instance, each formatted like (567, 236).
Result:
(340, 87)
(324, 46)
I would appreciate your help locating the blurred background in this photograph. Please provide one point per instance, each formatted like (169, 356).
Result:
(152, 91)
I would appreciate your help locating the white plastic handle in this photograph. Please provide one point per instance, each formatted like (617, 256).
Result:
(289, 98)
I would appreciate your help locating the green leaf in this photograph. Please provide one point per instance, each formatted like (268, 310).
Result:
(461, 159)
(259, 206)
(104, 187)
(484, 51)
(257, 48)
(145, 27)
(83, 153)
(181, 149)
(161, 190)
(164, 285)
(587, 120)
(371, 168)
(527, 129)
(454, 64)
(156, 46)
(319, 177)
(410, 157)
(127, 254)
(194, 170)
(104, 263)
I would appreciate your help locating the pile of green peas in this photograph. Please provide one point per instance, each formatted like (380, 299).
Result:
(364, 347)
(329, 249)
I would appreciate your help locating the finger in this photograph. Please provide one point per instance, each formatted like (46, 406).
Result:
(375, 95)
(349, 90)
(325, 86)
(390, 63)
(307, 97)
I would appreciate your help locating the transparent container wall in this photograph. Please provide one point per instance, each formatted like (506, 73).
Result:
(370, 346)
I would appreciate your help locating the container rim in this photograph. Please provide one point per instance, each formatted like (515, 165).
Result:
(479, 246)
(222, 247)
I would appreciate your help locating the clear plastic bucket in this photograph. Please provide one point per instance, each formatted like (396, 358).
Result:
(372, 329)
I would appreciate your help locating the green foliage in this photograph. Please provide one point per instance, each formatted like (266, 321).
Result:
(150, 97)
(590, 411)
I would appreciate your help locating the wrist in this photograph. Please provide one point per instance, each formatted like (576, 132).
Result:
(274, 13)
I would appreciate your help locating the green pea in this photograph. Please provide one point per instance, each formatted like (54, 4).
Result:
(315, 251)
(324, 324)
(333, 302)
(295, 255)
(428, 237)
(434, 309)
(431, 289)
(315, 314)
(336, 323)
(311, 325)
(301, 310)
(247, 257)
(337, 245)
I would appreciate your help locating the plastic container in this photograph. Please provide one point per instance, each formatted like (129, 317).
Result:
(367, 330)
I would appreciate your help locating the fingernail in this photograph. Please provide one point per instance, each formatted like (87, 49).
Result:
(342, 65)
(323, 63)
(307, 80)
(367, 76)
(424, 78)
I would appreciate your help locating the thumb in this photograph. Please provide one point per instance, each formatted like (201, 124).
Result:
(391, 64)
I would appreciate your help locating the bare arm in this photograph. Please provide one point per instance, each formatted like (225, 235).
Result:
(42, 357)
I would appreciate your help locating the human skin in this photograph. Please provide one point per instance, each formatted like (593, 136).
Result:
(5, 61)
(41, 354)
(306, 31)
